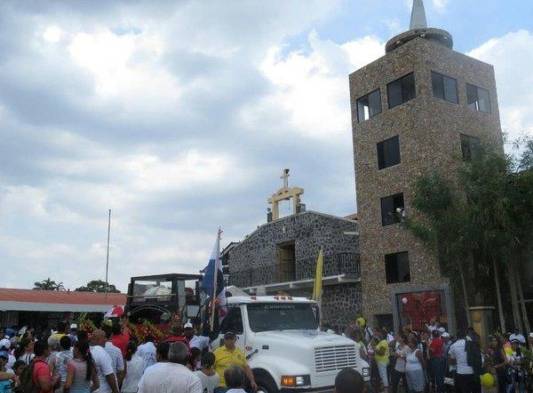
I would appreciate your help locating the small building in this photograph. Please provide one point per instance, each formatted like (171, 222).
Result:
(280, 256)
(38, 308)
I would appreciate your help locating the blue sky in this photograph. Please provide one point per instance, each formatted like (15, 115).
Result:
(179, 116)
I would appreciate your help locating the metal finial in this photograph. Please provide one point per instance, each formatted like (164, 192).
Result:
(418, 16)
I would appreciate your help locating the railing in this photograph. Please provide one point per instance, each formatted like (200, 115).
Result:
(335, 264)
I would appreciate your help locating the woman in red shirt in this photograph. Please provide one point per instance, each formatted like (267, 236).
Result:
(41, 376)
(437, 361)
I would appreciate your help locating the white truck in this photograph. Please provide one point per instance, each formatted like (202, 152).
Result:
(283, 344)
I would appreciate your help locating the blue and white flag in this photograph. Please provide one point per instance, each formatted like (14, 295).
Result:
(213, 280)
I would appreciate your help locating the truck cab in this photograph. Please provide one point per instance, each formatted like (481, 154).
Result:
(285, 348)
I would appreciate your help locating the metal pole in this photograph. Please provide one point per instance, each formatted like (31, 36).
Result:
(214, 299)
(107, 255)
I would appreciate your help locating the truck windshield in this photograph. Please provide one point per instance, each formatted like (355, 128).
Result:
(282, 316)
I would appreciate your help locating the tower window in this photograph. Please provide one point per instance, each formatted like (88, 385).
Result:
(397, 267)
(369, 106)
(444, 87)
(401, 90)
(478, 98)
(389, 152)
(470, 147)
(391, 208)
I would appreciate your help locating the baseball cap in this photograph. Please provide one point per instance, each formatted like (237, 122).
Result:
(445, 335)
(73, 326)
(442, 330)
(531, 335)
(229, 335)
(4, 354)
(5, 343)
(188, 325)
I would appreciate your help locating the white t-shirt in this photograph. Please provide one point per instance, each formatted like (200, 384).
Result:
(209, 382)
(117, 361)
(169, 378)
(200, 342)
(458, 352)
(400, 362)
(134, 374)
(148, 352)
(104, 367)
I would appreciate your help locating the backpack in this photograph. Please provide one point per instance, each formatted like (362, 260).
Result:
(26, 379)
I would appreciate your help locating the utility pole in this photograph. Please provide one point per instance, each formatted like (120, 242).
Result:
(107, 255)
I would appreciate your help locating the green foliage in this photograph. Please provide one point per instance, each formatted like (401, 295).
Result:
(482, 213)
(97, 286)
(48, 285)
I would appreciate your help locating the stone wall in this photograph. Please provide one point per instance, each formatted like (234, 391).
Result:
(254, 261)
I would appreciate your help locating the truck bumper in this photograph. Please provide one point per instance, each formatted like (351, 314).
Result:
(325, 389)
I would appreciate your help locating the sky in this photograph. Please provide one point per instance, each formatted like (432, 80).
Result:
(179, 116)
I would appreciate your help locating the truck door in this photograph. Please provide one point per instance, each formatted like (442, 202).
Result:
(233, 323)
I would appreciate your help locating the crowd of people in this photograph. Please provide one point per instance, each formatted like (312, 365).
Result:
(431, 360)
(109, 360)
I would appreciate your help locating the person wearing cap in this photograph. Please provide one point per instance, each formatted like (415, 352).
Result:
(229, 355)
(518, 337)
(5, 345)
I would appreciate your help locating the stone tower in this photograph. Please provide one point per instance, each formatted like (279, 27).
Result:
(420, 107)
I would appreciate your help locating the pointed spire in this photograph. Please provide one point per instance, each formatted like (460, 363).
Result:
(418, 16)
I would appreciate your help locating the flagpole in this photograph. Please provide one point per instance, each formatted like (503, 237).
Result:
(107, 254)
(215, 276)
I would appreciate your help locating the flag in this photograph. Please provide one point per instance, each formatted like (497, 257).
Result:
(317, 288)
(213, 280)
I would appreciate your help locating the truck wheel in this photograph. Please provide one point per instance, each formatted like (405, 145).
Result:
(265, 383)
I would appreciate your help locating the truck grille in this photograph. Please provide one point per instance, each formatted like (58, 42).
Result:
(334, 358)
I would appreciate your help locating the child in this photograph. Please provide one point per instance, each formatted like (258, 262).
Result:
(208, 376)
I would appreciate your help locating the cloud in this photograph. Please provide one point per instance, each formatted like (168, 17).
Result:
(512, 55)
(440, 5)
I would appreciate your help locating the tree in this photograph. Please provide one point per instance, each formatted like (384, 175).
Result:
(479, 222)
(48, 285)
(97, 286)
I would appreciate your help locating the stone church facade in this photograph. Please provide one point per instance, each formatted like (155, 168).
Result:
(281, 256)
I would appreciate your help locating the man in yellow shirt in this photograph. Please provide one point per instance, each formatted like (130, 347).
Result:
(229, 355)
(381, 355)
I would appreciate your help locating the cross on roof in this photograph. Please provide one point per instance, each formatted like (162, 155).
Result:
(285, 178)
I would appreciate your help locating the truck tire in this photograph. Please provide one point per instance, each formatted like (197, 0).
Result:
(265, 383)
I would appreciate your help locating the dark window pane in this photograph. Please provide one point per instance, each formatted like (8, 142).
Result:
(374, 101)
(401, 90)
(408, 87)
(444, 87)
(388, 152)
(438, 85)
(397, 268)
(484, 100)
(470, 146)
(368, 106)
(390, 207)
(471, 96)
(450, 90)
(478, 98)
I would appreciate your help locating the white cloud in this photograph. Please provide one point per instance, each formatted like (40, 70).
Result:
(312, 88)
(440, 5)
(512, 56)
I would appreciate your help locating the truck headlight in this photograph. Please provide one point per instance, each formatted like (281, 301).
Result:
(292, 381)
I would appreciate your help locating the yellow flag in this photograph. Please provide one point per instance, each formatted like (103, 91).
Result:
(317, 288)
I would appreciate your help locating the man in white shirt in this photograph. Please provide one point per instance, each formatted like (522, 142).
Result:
(172, 376)
(148, 352)
(104, 366)
(117, 361)
(464, 377)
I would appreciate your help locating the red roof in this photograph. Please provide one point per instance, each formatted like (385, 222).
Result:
(61, 297)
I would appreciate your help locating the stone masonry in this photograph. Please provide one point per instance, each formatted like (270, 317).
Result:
(254, 261)
(429, 131)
